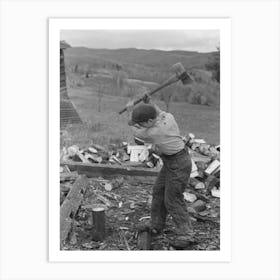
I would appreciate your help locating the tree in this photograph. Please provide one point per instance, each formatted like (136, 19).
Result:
(166, 95)
(213, 65)
(119, 78)
(76, 68)
(100, 96)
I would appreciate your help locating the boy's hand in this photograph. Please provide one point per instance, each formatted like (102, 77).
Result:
(129, 106)
(146, 98)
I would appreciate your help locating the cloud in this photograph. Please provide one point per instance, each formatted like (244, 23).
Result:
(193, 40)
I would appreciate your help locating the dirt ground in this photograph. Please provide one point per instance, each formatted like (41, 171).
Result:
(127, 207)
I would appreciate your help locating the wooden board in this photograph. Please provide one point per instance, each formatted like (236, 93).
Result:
(70, 206)
(96, 170)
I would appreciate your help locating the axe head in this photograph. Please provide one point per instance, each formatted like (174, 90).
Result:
(181, 73)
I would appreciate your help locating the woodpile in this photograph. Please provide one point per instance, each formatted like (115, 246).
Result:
(122, 155)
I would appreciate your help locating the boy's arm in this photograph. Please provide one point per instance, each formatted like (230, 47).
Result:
(147, 99)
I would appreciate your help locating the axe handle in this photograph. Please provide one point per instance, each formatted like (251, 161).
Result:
(169, 82)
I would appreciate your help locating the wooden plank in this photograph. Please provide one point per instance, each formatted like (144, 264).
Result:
(70, 206)
(95, 170)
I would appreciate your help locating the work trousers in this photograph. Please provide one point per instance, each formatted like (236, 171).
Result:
(168, 191)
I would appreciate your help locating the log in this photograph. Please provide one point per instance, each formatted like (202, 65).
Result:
(98, 222)
(70, 206)
(144, 240)
(114, 184)
(95, 170)
(212, 167)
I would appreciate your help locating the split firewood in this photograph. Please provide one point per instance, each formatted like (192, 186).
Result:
(200, 141)
(215, 192)
(98, 222)
(194, 171)
(196, 183)
(104, 200)
(195, 146)
(114, 184)
(211, 182)
(83, 158)
(73, 150)
(94, 158)
(143, 156)
(125, 157)
(99, 147)
(135, 151)
(92, 150)
(189, 197)
(150, 164)
(198, 195)
(212, 167)
(194, 174)
(114, 159)
(198, 206)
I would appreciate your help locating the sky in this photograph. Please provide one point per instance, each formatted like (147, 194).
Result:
(191, 40)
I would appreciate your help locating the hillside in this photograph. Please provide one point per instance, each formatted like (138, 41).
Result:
(130, 72)
(149, 58)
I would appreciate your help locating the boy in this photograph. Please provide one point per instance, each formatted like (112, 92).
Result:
(157, 127)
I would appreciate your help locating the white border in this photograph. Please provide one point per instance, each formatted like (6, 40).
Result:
(222, 24)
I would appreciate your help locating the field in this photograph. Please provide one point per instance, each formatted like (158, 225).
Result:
(107, 126)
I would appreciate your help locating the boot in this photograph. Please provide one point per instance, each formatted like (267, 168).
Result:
(150, 228)
(184, 236)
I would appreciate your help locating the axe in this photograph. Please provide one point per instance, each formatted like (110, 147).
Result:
(180, 74)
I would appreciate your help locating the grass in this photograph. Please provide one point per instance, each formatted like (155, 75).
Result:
(108, 126)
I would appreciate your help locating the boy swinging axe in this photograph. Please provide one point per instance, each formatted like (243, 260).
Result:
(180, 75)
(154, 126)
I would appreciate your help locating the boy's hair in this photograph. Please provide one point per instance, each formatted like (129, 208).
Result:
(142, 113)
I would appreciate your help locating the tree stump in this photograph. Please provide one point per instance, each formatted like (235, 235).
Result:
(144, 240)
(98, 221)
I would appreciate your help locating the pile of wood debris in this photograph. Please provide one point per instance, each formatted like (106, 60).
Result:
(127, 200)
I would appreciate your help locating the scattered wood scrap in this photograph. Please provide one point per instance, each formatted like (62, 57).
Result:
(70, 206)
